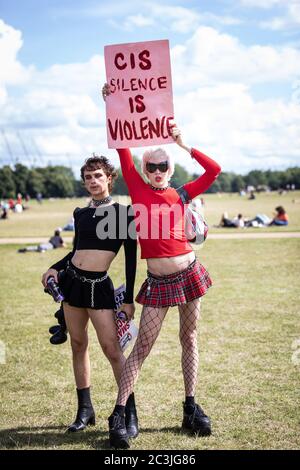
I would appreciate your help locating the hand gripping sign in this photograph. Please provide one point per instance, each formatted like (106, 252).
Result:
(126, 330)
(140, 106)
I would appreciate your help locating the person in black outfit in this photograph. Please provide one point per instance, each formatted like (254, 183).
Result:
(100, 231)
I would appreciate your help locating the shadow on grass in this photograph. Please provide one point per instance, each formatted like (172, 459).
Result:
(51, 436)
(41, 437)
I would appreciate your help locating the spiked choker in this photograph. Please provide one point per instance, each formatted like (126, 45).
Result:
(159, 189)
(99, 202)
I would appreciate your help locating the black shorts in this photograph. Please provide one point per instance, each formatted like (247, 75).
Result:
(87, 289)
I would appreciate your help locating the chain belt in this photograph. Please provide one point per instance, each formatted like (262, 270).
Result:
(169, 279)
(74, 274)
(151, 280)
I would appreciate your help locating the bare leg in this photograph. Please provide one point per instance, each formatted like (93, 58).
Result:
(105, 326)
(77, 325)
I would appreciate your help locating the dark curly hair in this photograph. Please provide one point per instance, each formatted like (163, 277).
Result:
(95, 162)
(280, 210)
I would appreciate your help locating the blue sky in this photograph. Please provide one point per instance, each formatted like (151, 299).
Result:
(235, 65)
(83, 28)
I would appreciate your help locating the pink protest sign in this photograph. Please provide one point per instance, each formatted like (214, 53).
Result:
(140, 105)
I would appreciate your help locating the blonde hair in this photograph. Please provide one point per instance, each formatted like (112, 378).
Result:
(158, 155)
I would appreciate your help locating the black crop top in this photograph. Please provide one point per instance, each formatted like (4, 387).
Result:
(106, 228)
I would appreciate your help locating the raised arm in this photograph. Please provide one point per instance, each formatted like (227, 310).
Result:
(212, 168)
(201, 184)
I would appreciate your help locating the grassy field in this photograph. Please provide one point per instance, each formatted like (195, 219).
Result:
(248, 380)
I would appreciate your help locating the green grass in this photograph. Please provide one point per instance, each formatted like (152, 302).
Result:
(264, 203)
(41, 220)
(247, 383)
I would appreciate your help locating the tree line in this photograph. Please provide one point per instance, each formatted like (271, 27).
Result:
(59, 181)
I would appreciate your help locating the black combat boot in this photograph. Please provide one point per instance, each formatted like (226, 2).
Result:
(131, 419)
(195, 421)
(85, 413)
(118, 437)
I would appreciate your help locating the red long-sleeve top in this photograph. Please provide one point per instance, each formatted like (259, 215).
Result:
(159, 215)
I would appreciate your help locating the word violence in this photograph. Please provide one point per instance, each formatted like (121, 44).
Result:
(140, 129)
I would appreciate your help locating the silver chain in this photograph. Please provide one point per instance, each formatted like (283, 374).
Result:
(93, 282)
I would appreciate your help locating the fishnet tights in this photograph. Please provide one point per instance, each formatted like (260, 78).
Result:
(150, 326)
(189, 315)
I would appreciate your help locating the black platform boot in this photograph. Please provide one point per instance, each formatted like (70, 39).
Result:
(195, 421)
(118, 437)
(131, 419)
(85, 413)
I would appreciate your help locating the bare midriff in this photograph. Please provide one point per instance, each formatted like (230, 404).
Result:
(93, 260)
(165, 266)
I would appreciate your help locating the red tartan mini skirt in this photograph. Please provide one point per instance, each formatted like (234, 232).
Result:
(176, 288)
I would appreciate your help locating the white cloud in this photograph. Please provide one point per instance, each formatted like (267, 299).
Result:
(212, 57)
(11, 71)
(60, 144)
(60, 108)
(172, 18)
(138, 21)
(218, 72)
(130, 16)
(180, 19)
(239, 132)
(289, 20)
(266, 4)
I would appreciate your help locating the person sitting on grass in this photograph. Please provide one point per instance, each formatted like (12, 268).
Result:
(281, 217)
(4, 215)
(55, 241)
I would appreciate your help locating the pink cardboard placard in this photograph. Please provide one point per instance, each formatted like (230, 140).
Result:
(140, 105)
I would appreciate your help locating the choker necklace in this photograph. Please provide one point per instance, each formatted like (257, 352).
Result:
(159, 189)
(97, 202)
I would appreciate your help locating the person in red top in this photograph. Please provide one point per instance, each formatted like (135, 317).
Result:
(281, 217)
(175, 276)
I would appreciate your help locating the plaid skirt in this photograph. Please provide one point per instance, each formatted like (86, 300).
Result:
(86, 289)
(175, 289)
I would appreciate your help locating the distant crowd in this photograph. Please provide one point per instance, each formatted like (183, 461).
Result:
(17, 205)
